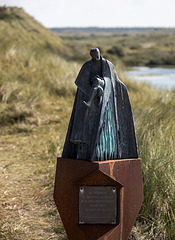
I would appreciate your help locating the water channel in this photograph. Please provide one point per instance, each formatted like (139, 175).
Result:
(161, 78)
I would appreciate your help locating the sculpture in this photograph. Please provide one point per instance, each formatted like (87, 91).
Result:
(101, 126)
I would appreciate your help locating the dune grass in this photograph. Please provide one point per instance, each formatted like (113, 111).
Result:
(144, 47)
(24, 88)
(154, 114)
(36, 97)
(31, 68)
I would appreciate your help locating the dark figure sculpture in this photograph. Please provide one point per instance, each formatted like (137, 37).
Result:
(101, 126)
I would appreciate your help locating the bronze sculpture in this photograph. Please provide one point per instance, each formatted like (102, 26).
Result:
(101, 126)
(99, 199)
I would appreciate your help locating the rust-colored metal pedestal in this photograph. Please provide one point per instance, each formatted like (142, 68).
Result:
(124, 175)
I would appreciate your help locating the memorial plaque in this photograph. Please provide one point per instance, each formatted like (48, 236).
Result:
(97, 205)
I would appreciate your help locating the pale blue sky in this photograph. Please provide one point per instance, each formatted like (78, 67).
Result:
(100, 13)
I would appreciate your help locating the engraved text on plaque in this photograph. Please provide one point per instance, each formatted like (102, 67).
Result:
(97, 205)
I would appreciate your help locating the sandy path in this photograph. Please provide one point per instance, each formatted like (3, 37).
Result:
(27, 209)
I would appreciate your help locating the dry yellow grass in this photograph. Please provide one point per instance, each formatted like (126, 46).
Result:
(36, 97)
(28, 154)
(28, 157)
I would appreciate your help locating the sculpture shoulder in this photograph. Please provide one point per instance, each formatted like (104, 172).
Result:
(83, 71)
(115, 76)
(82, 80)
(86, 65)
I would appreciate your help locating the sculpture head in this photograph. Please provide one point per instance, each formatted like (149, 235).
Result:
(95, 54)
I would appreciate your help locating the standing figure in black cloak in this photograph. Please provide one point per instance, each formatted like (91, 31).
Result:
(101, 126)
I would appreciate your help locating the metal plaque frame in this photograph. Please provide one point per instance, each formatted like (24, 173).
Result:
(97, 204)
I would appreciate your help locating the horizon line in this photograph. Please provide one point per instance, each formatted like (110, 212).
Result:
(126, 27)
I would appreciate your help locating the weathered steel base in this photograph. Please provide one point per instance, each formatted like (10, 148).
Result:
(124, 174)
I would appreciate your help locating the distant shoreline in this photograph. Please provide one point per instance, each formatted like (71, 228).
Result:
(111, 29)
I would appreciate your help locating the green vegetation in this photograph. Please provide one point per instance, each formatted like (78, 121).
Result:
(154, 114)
(31, 67)
(134, 47)
(37, 74)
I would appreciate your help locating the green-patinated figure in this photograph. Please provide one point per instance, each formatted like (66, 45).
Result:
(101, 125)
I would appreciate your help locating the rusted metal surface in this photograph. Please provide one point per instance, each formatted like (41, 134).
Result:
(124, 174)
